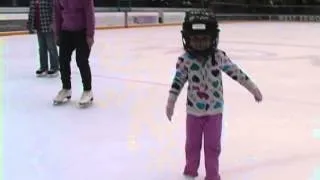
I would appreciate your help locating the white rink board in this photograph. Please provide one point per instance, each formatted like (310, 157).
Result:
(109, 19)
(105, 19)
(13, 17)
(173, 17)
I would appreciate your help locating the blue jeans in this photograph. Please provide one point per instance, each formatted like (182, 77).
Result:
(47, 43)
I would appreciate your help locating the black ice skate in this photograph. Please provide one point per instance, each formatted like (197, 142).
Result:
(53, 73)
(41, 72)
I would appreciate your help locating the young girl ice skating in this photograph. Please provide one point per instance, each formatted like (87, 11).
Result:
(201, 67)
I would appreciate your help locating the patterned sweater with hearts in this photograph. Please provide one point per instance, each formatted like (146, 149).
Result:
(205, 89)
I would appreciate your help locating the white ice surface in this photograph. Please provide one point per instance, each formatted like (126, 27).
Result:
(125, 134)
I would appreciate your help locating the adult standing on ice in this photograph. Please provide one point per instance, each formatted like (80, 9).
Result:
(40, 18)
(74, 30)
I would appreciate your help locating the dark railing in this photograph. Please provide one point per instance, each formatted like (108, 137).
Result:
(265, 9)
(227, 6)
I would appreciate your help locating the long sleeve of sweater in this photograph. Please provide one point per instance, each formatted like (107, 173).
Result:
(89, 17)
(179, 80)
(57, 17)
(234, 72)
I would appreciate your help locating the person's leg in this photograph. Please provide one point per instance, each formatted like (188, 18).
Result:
(53, 52)
(66, 49)
(43, 54)
(194, 131)
(82, 57)
(212, 146)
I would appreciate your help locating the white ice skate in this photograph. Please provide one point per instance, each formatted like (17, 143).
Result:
(86, 99)
(62, 97)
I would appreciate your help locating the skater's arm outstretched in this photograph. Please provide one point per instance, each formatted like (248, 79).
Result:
(233, 71)
(180, 78)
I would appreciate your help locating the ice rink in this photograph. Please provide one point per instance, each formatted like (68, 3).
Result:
(125, 134)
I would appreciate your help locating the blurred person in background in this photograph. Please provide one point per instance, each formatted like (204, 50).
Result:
(40, 19)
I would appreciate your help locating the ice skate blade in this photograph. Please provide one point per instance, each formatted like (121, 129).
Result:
(41, 75)
(86, 104)
(56, 103)
(53, 75)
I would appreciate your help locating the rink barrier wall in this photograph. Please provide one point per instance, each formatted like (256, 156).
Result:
(15, 23)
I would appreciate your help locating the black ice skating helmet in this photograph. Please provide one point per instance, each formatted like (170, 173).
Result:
(200, 22)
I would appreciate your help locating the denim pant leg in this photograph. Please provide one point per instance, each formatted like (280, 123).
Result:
(53, 51)
(43, 50)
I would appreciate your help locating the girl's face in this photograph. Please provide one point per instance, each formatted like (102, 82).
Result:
(200, 42)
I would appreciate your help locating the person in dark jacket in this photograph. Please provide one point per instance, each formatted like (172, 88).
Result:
(40, 19)
(74, 30)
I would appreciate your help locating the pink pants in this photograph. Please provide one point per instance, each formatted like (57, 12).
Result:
(210, 127)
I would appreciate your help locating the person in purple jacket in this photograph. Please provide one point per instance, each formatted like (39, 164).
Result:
(74, 30)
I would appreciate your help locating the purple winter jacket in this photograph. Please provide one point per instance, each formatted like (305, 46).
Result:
(74, 15)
